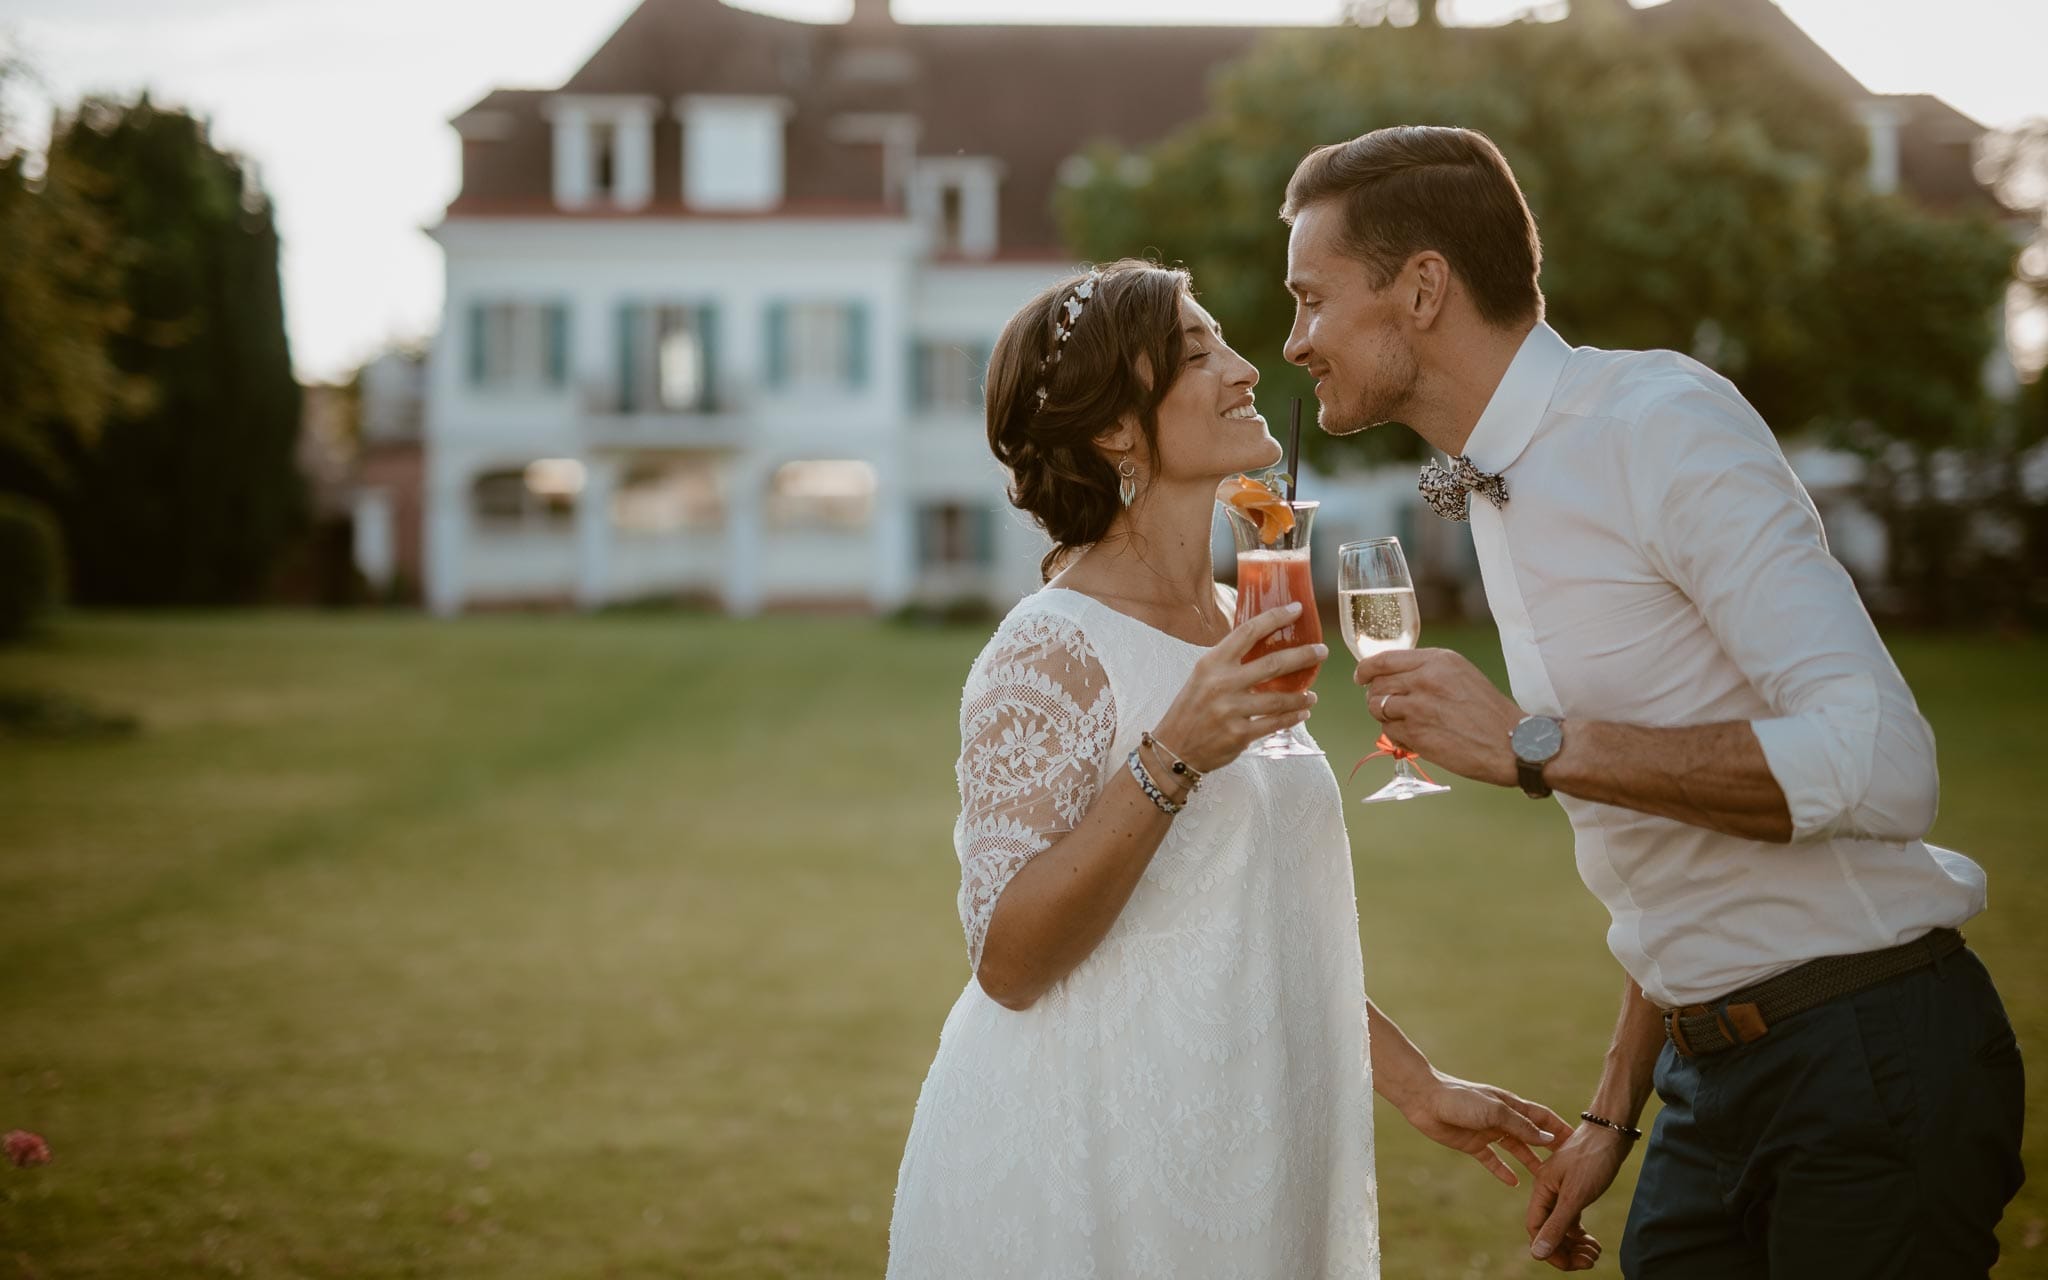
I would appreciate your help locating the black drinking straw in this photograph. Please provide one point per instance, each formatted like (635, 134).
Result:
(1293, 447)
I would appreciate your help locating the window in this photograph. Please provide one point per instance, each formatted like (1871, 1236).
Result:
(679, 357)
(733, 150)
(666, 361)
(947, 375)
(603, 149)
(541, 494)
(518, 346)
(955, 199)
(817, 344)
(666, 497)
(952, 535)
(951, 201)
(604, 140)
(822, 494)
(499, 498)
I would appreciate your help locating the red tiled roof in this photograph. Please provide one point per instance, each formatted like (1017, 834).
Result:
(1029, 96)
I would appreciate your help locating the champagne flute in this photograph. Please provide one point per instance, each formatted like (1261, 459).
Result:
(1376, 603)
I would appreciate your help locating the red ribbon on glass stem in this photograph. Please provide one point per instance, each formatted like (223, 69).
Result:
(1387, 748)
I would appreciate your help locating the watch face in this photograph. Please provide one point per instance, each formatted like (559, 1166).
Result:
(1537, 739)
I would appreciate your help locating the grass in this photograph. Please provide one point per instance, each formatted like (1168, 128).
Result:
(546, 947)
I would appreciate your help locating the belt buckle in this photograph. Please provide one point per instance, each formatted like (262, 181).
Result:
(1674, 1027)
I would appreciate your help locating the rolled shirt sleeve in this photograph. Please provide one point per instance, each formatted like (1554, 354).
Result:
(1724, 518)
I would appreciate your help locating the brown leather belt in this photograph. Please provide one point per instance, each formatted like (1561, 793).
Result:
(1744, 1016)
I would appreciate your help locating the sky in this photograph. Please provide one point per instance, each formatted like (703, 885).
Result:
(344, 107)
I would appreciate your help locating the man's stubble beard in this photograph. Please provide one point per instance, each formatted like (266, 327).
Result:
(1348, 420)
(1349, 425)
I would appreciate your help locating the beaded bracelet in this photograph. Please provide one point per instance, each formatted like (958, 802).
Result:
(1151, 788)
(1625, 1130)
(1180, 766)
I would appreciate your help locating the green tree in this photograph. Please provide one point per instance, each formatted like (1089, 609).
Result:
(1692, 193)
(60, 307)
(1902, 351)
(191, 499)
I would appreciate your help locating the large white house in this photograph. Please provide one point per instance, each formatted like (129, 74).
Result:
(718, 308)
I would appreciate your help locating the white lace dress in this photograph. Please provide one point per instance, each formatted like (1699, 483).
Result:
(1194, 1099)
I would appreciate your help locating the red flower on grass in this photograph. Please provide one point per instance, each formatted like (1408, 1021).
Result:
(25, 1149)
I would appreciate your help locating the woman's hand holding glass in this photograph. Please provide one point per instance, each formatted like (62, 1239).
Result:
(1218, 712)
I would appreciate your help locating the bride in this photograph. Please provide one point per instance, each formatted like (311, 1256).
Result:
(1161, 1065)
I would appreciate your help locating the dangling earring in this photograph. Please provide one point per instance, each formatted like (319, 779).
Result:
(1128, 489)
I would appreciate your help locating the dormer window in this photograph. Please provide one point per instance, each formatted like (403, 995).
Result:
(604, 150)
(954, 198)
(733, 150)
(604, 142)
(1881, 121)
(952, 201)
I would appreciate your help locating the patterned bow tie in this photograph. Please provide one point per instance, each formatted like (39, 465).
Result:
(1449, 490)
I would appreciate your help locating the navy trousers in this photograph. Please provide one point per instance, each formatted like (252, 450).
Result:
(1875, 1136)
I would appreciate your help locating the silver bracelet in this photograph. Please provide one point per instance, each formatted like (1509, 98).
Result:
(1151, 788)
(1180, 766)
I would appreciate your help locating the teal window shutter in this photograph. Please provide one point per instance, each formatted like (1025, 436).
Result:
(629, 393)
(707, 350)
(477, 356)
(981, 535)
(856, 344)
(927, 536)
(920, 396)
(778, 343)
(558, 343)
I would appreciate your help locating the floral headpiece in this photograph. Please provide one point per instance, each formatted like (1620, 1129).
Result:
(1069, 314)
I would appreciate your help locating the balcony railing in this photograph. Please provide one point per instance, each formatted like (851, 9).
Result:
(606, 425)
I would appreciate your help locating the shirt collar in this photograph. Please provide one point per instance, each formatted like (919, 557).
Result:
(1504, 430)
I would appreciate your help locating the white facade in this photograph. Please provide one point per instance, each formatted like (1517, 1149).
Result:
(784, 345)
(737, 499)
(715, 374)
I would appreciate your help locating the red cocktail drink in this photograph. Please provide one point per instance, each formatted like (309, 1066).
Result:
(1268, 580)
(1273, 570)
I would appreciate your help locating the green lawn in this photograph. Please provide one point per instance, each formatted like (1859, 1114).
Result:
(618, 947)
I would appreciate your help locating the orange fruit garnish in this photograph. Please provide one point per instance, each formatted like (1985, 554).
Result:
(1258, 503)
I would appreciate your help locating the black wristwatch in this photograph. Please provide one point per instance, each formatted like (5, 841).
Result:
(1536, 742)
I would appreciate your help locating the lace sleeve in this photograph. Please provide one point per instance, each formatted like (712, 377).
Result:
(1036, 723)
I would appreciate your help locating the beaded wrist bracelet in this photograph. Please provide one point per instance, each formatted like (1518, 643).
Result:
(1151, 788)
(1625, 1130)
(1180, 766)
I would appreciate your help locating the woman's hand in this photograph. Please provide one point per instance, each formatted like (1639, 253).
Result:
(1474, 1118)
(1217, 714)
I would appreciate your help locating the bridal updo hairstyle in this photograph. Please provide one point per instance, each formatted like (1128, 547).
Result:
(1120, 360)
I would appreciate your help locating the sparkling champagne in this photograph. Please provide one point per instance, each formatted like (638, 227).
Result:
(1379, 619)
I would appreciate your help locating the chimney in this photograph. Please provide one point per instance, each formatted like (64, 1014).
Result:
(871, 14)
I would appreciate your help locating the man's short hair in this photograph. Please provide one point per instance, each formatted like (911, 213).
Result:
(1417, 187)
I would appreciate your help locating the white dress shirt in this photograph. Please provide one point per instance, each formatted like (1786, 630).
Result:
(1657, 563)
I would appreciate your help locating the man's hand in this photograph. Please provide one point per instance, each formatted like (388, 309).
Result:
(1578, 1174)
(1435, 703)
(1472, 1118)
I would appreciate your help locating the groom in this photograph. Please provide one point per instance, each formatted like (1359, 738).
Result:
(1747, 776)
